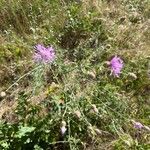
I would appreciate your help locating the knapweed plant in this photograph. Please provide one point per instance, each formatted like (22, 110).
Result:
(74, 75)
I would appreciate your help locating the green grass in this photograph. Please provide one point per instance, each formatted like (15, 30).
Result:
(97, 108)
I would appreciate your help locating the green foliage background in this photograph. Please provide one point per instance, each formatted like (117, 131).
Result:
(77, 88)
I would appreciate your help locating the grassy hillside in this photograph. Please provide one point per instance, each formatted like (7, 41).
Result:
(74, 101)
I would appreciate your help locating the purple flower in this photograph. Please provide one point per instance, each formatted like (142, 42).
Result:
(44, 54)
(116, 66)
(138, 125)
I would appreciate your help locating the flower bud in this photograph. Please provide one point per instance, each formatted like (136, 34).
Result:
(63, 130)
(77, 113)
(63, 123)
(91, 74)
(107, 62)
(2, 94)
(63, 127)
(98, 131)
(132, 75)
(91, 130)
(95, 108)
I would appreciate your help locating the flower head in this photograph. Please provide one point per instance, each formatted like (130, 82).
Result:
(44, 54)
(116, 64)
(138, 125)
(63, 128)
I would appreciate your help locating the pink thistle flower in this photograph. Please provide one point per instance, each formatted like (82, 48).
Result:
(116, 64)
(138, 125)
(44, 54)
